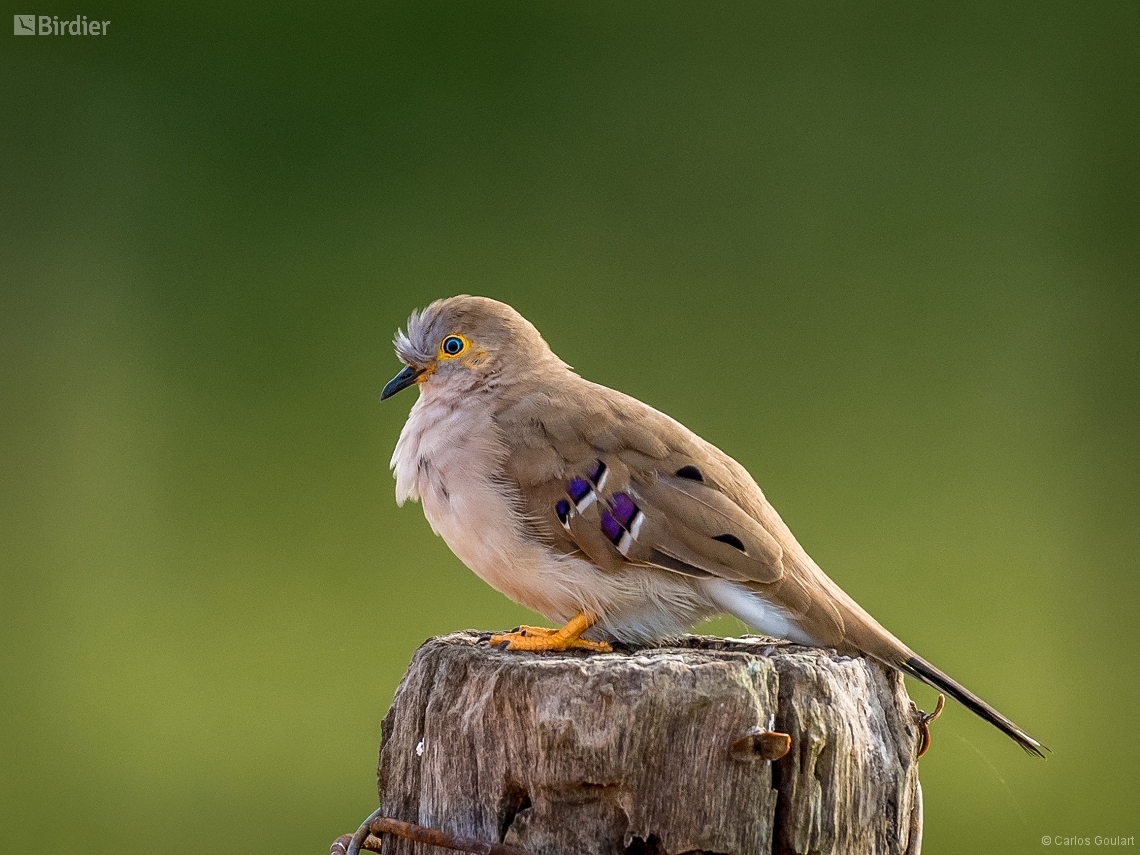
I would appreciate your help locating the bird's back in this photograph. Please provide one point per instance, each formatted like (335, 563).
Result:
(554, 432)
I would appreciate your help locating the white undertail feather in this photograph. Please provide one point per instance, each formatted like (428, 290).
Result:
(755, 611)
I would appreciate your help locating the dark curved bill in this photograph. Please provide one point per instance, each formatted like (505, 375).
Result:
(407, 376)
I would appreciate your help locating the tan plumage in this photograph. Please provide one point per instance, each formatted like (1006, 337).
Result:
(576, 499)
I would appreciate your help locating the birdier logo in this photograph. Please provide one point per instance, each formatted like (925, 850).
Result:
(51, 25)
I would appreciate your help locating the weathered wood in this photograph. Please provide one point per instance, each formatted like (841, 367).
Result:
(641, 751)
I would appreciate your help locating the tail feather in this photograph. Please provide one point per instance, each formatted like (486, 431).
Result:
(922, 670)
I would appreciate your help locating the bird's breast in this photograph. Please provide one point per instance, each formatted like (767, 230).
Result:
(451, 460)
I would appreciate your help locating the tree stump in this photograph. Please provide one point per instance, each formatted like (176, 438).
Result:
(653, 750)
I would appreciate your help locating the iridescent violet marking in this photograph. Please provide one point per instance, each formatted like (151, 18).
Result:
(611, 527)
(619, 522)
(579, 487)
(598, 472)
(623, 509)
(563, 511)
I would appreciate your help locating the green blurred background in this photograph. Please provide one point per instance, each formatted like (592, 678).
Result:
(886, 256)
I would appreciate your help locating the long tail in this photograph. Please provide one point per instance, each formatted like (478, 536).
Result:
(922, 670)
(856, 634)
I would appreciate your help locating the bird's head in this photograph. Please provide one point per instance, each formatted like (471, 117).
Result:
(462, 343)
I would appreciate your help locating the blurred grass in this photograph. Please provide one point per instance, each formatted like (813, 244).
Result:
(887, 257)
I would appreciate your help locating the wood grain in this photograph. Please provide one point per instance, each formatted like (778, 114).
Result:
(643, 750)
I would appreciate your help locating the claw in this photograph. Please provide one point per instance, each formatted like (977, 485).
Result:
(537, 638)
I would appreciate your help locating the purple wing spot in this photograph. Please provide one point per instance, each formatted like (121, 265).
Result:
(579, 487)
(611, 527)
(623, 508)
(563, 510)
(598, 472)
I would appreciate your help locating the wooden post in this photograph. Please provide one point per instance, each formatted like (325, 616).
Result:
(656, 751)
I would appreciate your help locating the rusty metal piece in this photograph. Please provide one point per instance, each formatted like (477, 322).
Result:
(759, 744)
(340, 845)
(774, 745)
(924, 721)
(368, 837)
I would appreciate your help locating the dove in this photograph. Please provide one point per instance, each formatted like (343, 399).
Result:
(601, 513)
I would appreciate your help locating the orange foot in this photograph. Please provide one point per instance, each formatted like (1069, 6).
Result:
(537, 638)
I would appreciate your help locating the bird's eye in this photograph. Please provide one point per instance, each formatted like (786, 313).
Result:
(453, 345)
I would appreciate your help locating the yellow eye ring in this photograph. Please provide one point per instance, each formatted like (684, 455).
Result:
(452, 346)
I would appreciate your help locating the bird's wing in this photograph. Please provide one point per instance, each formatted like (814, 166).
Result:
(610, 477)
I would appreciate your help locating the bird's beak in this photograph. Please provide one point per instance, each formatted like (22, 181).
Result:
(408, 375)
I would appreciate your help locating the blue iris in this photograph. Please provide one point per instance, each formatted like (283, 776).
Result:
(452, 345)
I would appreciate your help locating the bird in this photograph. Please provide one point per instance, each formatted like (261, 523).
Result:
(601, 513)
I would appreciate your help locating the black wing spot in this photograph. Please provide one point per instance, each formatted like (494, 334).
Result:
(690, 472)
(731, 540)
